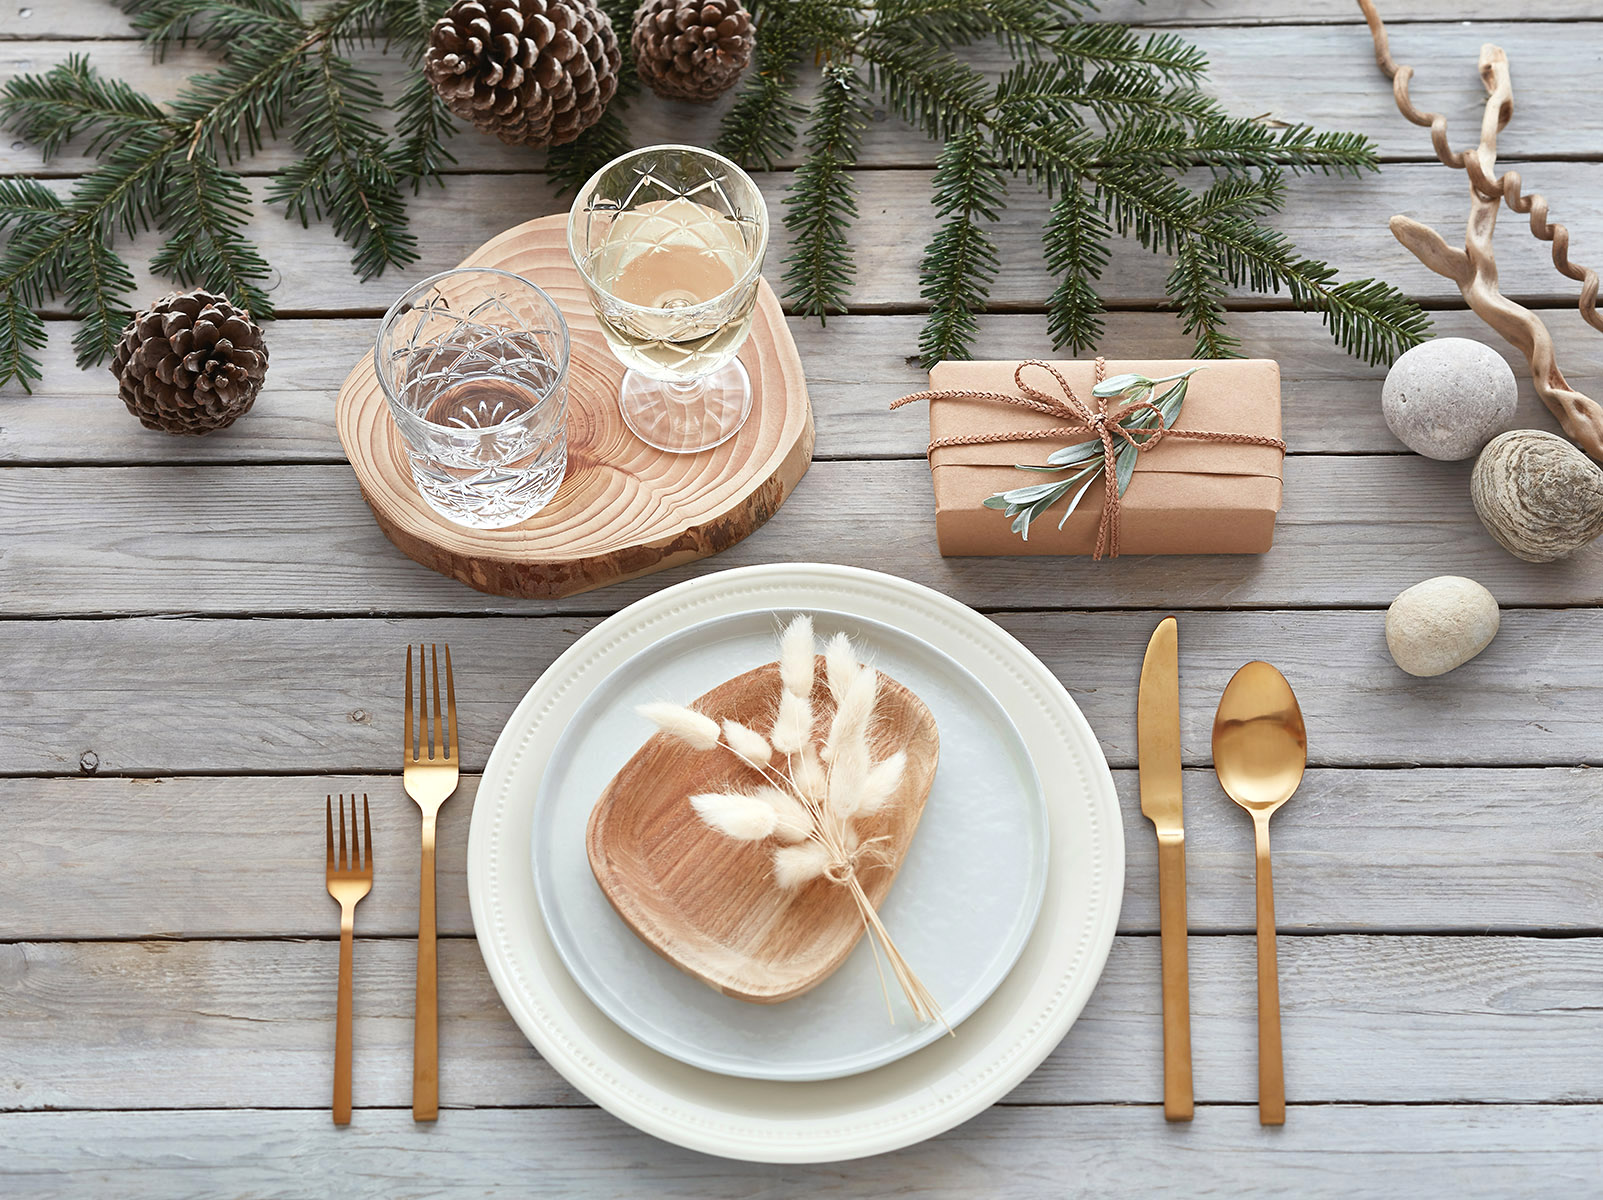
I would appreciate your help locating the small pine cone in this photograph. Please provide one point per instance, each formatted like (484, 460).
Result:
(691, 49)
(531, 72)
(190, 363)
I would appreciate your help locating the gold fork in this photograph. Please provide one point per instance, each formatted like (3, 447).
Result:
(429, 770)
(350, 877)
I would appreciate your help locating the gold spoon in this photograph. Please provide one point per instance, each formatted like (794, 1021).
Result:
(1260, 747)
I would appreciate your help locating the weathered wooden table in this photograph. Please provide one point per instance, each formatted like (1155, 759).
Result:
(201, 639)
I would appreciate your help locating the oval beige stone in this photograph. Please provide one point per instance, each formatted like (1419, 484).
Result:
(1440, 624)
(1539, 496)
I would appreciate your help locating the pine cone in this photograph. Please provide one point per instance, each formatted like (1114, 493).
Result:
(691, 49)
(532, 72)
(190, 363)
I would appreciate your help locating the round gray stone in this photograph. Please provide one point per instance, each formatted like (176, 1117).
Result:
(1539, 496)
(1447, 398)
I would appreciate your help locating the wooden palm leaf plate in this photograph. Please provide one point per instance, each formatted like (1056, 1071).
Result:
(708, 903)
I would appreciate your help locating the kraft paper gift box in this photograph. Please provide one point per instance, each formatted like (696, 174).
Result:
(1185, 497)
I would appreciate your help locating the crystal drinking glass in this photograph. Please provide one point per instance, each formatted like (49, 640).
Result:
(474, 365)
(670, 243)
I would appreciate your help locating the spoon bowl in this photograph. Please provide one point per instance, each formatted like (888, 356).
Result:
(1260, 749)
(1260, 744)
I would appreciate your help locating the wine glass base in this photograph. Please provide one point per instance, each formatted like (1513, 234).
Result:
(686, 418)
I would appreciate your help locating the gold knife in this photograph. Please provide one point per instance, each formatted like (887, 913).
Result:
(1158, 750)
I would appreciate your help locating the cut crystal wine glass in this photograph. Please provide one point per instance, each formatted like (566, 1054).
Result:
(670, 243)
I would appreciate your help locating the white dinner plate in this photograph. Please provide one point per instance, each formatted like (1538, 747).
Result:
(960, 910)
(896, 1105)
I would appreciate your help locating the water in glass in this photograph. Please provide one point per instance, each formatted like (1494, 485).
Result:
(475, 369)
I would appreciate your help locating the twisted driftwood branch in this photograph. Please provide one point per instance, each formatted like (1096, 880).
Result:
(1479, 164)
(1474, 268)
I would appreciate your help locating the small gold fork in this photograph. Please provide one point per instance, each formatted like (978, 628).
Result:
(350, 877)
(429, 770)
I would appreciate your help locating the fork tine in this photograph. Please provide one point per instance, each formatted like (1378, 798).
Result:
(437, 749)
(328, 817)
(356, 843)
(343, 860)
(450, 695)
(408, 750)
(424, 730)
(367, 832)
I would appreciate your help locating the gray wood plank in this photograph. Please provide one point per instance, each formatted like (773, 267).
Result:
(1423, 850)
(1373, 1019)
(297, 539)
(1340, 220)
(1325, 1153)
(855, 366)
(96, 19)
(1262, 71)
(177, 695)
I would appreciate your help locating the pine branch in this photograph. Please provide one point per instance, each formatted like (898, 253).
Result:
(97, 284)
(1028, 27)
(1113, 47)
(1076, 243)
(930, 88)
(822, 202)
(209, 24)
(422, 125)
(760, 127)
(207, 209)
(1237, 146)
(344, 172)
(72, 99)
(21, 330)
(960, 261)
(28, 209)
(409, 22)
(1194, 283)
(1370, 320)
(245, 101)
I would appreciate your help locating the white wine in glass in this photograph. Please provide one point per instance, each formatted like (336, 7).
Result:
(670, 243)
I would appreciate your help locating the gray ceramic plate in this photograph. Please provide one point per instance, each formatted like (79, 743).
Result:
(961, 909)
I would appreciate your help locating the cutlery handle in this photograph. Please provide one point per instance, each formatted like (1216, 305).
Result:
(1271, 1063)
(1177, 1098)
(425, 1020)
(342, 1022)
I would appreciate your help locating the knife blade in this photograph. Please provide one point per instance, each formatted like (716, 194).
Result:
(1158, 755)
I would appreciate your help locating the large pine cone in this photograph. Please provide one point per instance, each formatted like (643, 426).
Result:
(691, 49)
(532, 72)
(190, 363)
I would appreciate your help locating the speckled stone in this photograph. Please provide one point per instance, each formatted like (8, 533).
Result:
(1539, 496)
(1440, 624)
(1447, 398)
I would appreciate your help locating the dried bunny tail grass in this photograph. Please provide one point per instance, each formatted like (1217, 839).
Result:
(793, 728)
(811, 779)
(853, 711)
(793, 822)
(734, 814)
(919, 998)
(801, 863)
(796, 654)
(748, 744)
(880, 784)
(840, 665)
(848, 778)
(691, 727)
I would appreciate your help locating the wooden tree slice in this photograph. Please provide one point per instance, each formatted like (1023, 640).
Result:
(708, 903)
(624, 508)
